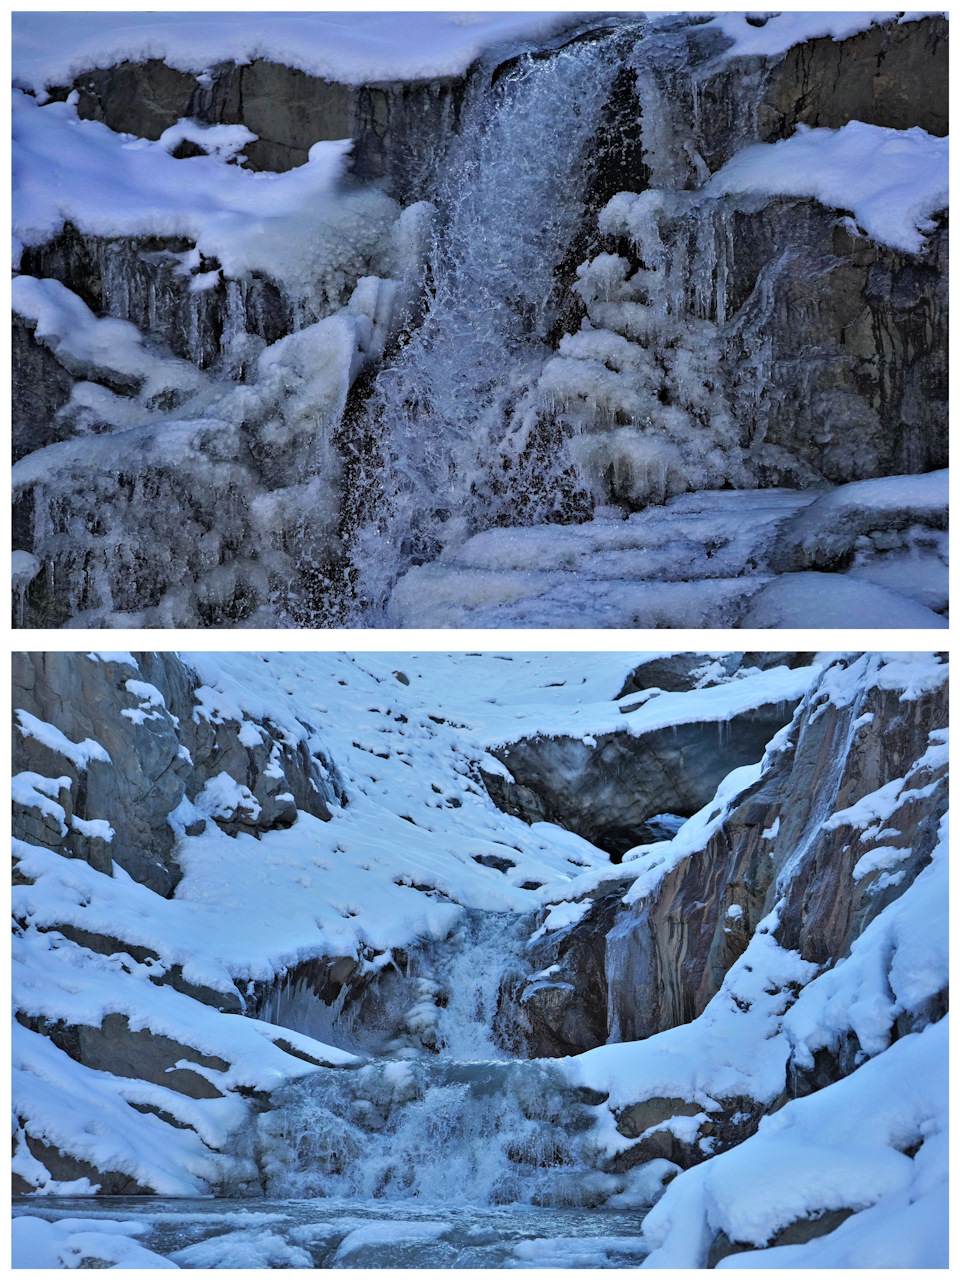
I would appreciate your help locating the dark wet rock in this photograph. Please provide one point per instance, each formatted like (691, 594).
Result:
(41, 386)
(557, 1006)
(143, 279)
(799, 1232)
(895, 76)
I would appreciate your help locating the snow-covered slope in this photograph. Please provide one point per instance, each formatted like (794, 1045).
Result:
(754, 994)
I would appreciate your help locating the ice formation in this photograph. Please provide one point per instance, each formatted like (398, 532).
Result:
(516, 275)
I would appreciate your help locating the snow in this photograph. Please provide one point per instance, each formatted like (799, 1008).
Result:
(352, 48)
(103, 655)
(86, 1112)
(96, 828)
(295, 227)
(24, 568)
(249, 1249)
(892, 180)
(78, 753)
(835, 600)
(222, 796)
(780, 31)
(34, 791)
(840, 1148)
(562, 916)
(76, 1242)
(64, 323)
(392, 1232)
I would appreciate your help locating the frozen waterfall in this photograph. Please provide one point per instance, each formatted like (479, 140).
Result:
(462, 440)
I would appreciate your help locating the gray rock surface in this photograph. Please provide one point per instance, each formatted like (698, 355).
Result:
(607, 792)
(393, 125)
(158, 757)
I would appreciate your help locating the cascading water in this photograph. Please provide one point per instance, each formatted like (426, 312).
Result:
(439, 1130)
(456, 413)
(442, 1115)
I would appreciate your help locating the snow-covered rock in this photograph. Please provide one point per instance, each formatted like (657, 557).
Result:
(738, 1012)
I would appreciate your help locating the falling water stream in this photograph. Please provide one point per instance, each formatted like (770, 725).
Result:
(456, 413)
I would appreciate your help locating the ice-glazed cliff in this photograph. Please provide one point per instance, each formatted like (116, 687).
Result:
(496, 960)
(497, 320)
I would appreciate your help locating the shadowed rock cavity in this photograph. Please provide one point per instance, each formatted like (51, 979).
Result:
(607, 792)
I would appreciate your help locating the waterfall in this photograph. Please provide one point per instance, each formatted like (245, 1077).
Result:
(441, 1113)
(455, 413)
(441, 1130)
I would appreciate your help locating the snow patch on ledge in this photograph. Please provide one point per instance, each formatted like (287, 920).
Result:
(892, 180)
(350, 48)
(48, 735)
(782, 31)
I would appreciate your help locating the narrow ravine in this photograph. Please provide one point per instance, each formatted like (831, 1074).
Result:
(322, 995)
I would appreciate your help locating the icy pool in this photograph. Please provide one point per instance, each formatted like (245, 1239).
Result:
(345, 1233)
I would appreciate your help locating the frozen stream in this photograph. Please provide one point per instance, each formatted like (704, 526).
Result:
(355, 1233)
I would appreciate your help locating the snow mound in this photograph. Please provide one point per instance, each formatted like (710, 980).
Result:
(777, 32)
(892, 180)
(351, 48)
(834, 600)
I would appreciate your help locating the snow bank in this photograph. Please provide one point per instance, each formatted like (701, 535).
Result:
(79, 1242)
(841, 1148)
(352, 48)
(835, 600)
(86, 1113)
(892, 180)
(295, 227)
(777, 32)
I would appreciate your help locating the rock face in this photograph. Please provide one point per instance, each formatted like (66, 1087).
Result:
(115, 759)
(658, 962)
(154, 752)
(893, 76)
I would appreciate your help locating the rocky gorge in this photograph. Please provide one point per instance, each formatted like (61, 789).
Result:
(491, 959)
(627, 321)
